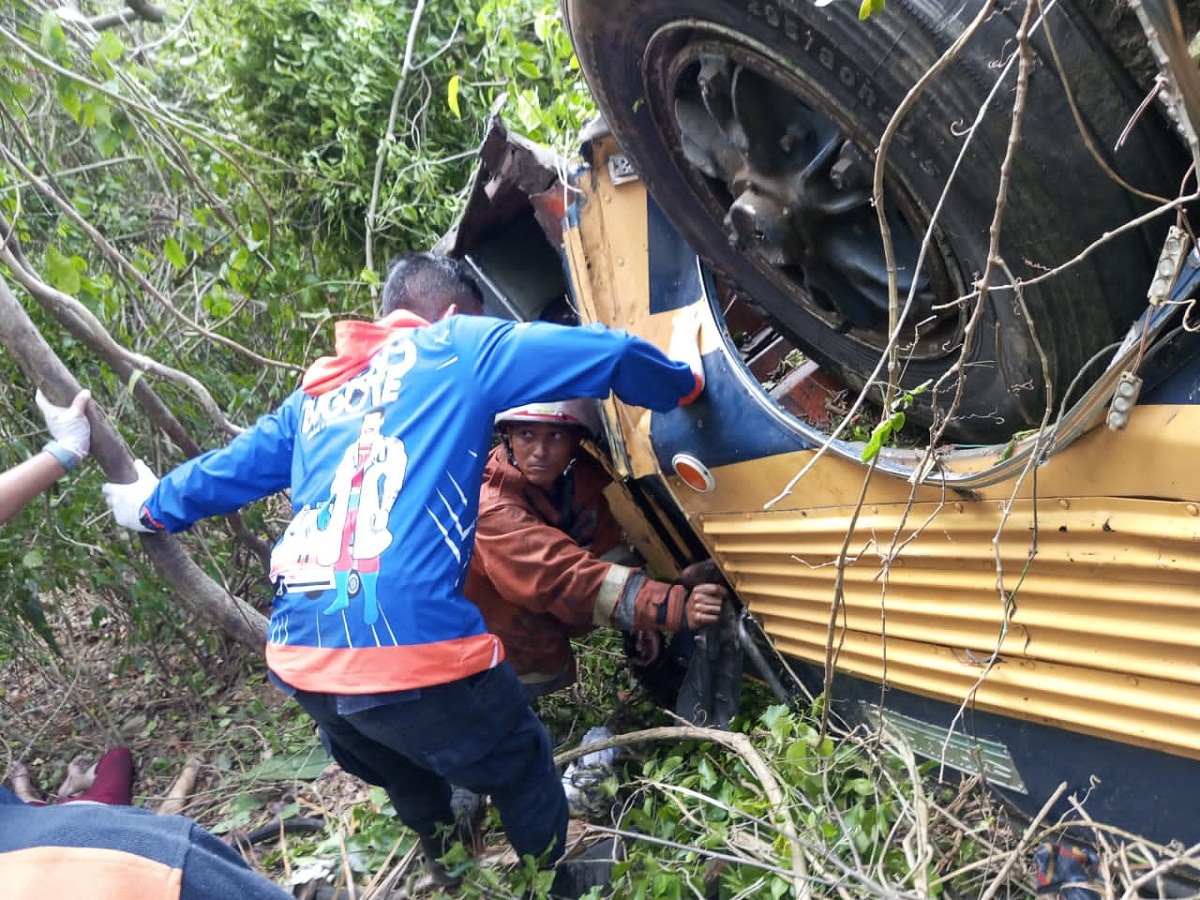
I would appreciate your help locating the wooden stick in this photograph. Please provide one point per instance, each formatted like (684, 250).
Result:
(172, 805)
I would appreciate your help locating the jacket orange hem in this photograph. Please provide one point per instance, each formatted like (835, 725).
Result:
(378, 670)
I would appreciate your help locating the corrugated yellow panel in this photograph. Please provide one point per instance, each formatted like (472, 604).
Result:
(1095, 622)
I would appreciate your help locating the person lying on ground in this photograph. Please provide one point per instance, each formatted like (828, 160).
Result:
(93, 849)
(108, 781)
(545, 544)
(105, 852)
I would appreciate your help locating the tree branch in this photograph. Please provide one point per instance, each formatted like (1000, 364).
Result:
(739, 744)
(114, 256)
(80, 321)
(146, 11)
(192, 586)
(390, 134)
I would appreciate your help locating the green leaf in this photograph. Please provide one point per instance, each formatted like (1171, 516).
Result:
(378, 796)
(107, 141)
(174, 253)
(33, 559)
(217, 305)
(54, 39)
(302, 766)
(108, 49)
(100, 113)
(61, 271)
(69, 97)
(452, 96)
(864, 787)
(883, 433)
(874, 445)
(797, 751)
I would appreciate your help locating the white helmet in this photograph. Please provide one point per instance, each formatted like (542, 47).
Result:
(561, 412)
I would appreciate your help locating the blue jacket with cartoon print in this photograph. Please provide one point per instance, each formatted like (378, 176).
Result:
(383, 449)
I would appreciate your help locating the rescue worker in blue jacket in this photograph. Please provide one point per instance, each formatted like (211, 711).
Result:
(383, 448)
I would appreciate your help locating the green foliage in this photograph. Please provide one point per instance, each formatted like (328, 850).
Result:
(868, 8)
(892, 424)
(850, 804)
(317, 83)
(792, 361)
(532, 53)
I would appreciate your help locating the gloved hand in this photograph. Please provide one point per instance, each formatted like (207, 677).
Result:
(703, 605)
(127, 500)
(670, 607)
(69, 428)
(685, 347)
(703, 572)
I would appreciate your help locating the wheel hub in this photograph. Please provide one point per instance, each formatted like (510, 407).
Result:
(792, 189)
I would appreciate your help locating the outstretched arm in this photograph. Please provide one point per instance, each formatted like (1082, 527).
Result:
(254, 464)
(537, 566)
(71, 433)
(24, 481)
(533, 361)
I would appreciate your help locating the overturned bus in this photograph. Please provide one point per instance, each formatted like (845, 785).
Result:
(940, 267)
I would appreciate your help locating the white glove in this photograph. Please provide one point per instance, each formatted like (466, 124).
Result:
(127, 500)
(69, 427)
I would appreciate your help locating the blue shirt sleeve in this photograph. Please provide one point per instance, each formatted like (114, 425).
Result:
(256, 463)
(529, 362)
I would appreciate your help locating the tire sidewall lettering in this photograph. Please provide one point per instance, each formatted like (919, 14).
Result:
(857, 84)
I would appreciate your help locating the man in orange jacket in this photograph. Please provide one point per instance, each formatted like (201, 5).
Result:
(546, 545)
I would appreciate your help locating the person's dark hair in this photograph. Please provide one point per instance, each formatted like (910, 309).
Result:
(428, 285)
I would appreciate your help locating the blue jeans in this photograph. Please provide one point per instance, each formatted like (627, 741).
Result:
(477, 733)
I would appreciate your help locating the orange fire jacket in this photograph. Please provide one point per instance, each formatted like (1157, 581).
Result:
(538, 576)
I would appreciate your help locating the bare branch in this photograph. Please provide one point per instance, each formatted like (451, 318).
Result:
(195, 590)
(739, 744)
(389, 134)
(123, 265)
(839, 595)
(881, 154)
(112, 20)
(156, 115)
(134, 11)
(85, 326)
(958, 370)
(146, 11)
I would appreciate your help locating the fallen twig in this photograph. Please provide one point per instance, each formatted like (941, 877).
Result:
(185, 783)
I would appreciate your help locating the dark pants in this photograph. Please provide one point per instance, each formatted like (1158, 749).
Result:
(478, 733)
